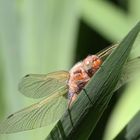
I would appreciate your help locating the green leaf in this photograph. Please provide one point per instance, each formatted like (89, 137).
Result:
(132, 130)
(78, 122)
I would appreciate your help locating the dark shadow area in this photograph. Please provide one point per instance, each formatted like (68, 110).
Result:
(122, 4)
(89, 42)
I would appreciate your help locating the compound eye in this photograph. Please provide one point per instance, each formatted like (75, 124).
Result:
(97, 63)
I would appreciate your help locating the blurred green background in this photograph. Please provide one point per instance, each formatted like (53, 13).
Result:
(50, 35)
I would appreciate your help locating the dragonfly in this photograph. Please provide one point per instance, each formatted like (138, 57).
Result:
(59, 91)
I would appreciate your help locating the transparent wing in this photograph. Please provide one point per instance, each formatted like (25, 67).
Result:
(129, 72)
(107, 51)
(44, 113)
(43, 85)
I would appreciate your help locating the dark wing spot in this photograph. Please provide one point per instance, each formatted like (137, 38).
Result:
(27, 75)
(10, 116)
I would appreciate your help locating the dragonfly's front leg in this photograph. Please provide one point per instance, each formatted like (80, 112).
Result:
(72, 97)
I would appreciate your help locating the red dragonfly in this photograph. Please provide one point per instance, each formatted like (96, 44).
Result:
(59, 89)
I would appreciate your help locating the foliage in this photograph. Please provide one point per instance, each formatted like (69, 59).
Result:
(42, 36)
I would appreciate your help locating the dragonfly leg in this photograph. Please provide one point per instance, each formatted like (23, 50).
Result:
(72, 97)
(87, 96)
